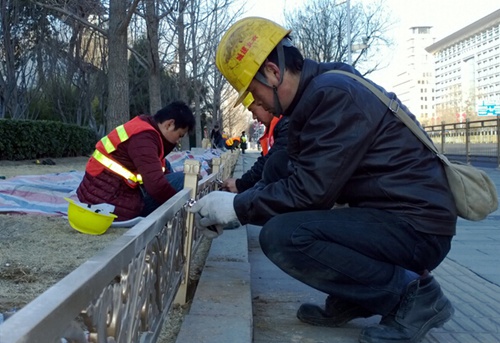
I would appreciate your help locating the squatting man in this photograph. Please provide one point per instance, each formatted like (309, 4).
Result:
(372, 256)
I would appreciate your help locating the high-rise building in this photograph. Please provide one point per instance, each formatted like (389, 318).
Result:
(467, 70)
(414, 83)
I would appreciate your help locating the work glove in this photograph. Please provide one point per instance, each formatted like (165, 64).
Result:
(209, 232)
(214, 212)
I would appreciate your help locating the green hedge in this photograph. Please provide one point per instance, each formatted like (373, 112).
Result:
(28, 139)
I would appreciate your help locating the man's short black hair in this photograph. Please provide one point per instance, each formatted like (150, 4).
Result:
(179, 112)
(294, 61)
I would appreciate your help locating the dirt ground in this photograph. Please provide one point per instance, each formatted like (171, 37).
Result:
(36, 251)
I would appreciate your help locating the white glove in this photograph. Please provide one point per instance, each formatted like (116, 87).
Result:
(211, 231)
(214, 209)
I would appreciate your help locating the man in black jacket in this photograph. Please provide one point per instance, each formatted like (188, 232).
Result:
(373, 256)
(216, 138)
(274, 139)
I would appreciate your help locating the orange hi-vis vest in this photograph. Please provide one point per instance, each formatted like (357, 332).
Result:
(267, 140)
(101, 158)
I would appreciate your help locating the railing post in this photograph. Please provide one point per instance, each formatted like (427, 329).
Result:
(443, 134)
(224, 158)
(467, 140)
(498, 141)
(226, 170)
(216, 162)
(234, 159)
(191, 171)
(226, 162)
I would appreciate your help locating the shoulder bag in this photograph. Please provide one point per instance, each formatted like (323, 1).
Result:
(474, 192)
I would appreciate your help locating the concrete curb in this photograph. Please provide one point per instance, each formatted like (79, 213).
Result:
(221, 311)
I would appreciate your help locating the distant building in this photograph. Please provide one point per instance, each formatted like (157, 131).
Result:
(467, 70)
(414, 83)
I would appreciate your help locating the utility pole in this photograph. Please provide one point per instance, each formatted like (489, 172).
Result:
(349, 45)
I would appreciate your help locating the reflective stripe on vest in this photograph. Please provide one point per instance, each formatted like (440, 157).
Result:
(117, 168)
(101, 158)
(122, 135)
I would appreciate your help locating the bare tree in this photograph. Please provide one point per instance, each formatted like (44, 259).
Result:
(82, 61)
(194, 15)
(118, 105)
(154, 12)
(71, 66)
(152, 25)
(204, 25)
(320, 29)
(18, 20)
(221, 95)
(120, 13)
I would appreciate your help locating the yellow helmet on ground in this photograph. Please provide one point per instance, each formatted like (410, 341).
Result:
(248, 100)
(244, 48)
(89, 219)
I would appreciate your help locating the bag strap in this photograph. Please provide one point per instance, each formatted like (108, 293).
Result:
(396, 109)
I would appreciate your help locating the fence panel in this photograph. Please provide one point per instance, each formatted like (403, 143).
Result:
(124, 292)
(470, 142)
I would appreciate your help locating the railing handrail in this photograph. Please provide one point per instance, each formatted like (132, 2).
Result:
(76, 290)
(126, 290)
(480, 139)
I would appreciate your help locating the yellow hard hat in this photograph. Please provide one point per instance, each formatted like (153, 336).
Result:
(87, 219)
(244, 48)
(248, 100)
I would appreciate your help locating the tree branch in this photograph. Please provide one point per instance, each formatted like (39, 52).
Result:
(74, 17)
(131, 10)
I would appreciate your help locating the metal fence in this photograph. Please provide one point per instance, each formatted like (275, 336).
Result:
(124, 293)
(472, 142)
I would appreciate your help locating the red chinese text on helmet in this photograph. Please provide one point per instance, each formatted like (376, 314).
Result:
(244, 48)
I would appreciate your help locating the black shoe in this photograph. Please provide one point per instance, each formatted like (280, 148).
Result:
(423, 307)
(336, 313)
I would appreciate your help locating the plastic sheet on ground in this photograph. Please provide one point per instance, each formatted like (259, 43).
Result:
(44, 194)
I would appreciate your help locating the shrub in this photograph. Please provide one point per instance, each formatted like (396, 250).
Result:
(28, 139)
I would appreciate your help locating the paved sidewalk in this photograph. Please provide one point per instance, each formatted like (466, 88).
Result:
(243, 297)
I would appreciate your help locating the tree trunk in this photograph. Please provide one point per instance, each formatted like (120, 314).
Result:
(8, 86)
(196, 81)
(152, 22)
(181, 27)
(118, 102)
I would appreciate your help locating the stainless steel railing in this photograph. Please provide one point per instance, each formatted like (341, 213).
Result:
(471, 141)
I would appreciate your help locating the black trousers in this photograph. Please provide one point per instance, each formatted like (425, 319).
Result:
(360, 255)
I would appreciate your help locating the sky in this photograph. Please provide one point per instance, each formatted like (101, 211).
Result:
(445, 17)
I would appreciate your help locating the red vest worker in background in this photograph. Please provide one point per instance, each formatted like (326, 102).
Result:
(274, 139)
(128, 168)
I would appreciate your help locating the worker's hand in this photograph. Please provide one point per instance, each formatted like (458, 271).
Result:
(211, 231)
(214, 212)
(229, 185)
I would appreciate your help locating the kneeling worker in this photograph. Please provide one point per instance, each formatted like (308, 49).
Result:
(128, 167)
(275, 138)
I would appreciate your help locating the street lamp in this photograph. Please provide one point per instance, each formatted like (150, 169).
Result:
(349, 48)
(348, 12)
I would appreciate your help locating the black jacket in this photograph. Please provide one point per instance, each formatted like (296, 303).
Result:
(254, 174)
(346, 146)
(216, 138)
